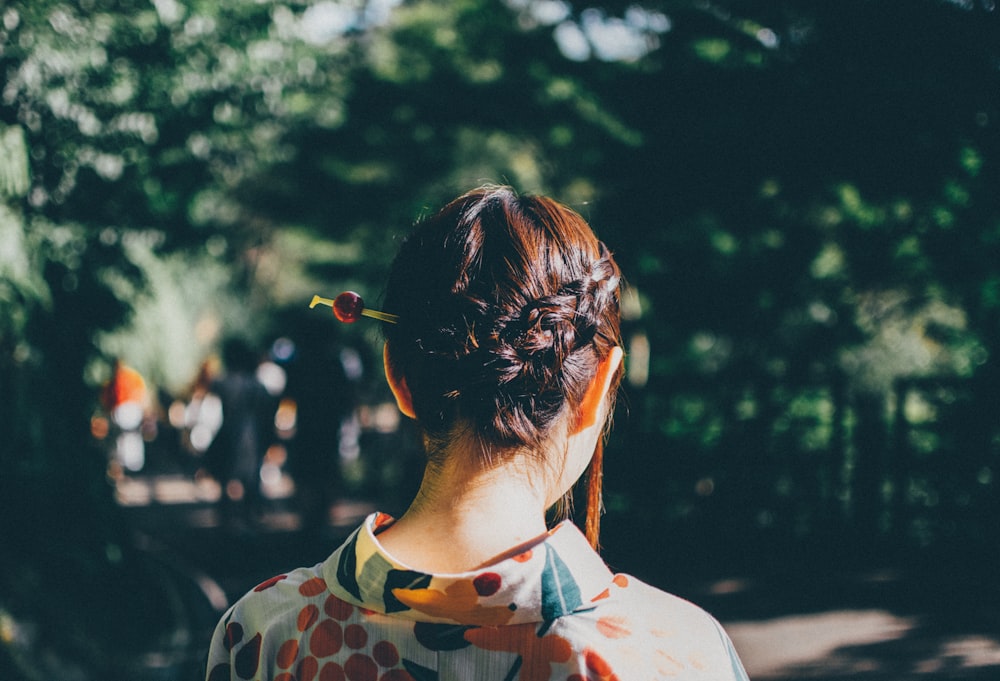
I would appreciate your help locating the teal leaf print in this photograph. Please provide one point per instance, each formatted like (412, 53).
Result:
(402, 579)
(247, 660)
(419, 672)
(512, 674)
(221, 672)
(441, 636)
(347, 567)
(560, 592)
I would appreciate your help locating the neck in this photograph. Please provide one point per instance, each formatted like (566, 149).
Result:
(466, 515)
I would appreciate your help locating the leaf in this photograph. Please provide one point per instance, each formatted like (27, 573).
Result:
(419, 672)
(441, 636)
(402, 579)
(560, 592)
(347, 567)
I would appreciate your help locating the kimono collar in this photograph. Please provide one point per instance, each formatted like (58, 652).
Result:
(558, 575)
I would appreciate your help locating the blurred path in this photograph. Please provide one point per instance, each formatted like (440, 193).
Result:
(918, 623)
(862, 644)
(182, 515)
(922, 623)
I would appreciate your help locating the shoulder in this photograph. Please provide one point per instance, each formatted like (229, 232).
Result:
(257, 624)
(636, 593)
(280, 596)
(636, 629)
(651, 608)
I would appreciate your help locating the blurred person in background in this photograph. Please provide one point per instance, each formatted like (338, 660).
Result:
(505, 348)
(236, 453)
(125, 399)
(324, 392)
(200, 416)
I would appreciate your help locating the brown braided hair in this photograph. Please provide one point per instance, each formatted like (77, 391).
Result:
(507, 304)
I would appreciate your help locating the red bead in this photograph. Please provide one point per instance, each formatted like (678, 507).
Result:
(347, 307)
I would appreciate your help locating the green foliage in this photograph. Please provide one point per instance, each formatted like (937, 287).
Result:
(802, 196)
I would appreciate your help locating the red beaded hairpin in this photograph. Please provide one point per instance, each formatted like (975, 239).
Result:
(348, 307)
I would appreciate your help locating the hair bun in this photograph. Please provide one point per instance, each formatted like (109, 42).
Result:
(507, 304)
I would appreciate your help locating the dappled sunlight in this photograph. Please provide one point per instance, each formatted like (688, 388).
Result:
(909, 337)
(963, 652)
(786, 647)
(848, 644)
(168, 490)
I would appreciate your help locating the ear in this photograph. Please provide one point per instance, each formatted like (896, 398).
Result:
(593, 399)
(397, 384)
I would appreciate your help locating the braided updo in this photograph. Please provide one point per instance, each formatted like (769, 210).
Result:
(506, 306)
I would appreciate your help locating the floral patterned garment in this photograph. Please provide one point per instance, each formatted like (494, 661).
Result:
(554, 611)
